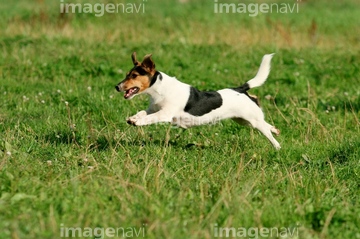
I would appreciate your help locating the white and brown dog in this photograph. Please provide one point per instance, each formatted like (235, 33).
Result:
(183, 105)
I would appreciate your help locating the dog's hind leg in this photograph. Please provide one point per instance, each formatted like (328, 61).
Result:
(274, 130)
(265, 128)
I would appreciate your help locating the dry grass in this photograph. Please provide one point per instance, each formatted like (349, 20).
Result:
(277, 35)
(299, 30)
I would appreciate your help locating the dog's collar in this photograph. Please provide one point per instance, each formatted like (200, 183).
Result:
(154, 78)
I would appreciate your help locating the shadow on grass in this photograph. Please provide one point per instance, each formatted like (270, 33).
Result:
(68, 138)
(62, 137)
(344, 152)
(103, 143)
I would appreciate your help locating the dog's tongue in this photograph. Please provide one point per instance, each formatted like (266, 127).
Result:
(129, 93)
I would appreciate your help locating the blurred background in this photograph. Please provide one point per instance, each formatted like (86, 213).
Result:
(303, 24)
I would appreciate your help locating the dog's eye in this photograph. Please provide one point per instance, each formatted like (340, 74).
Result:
(133, 76)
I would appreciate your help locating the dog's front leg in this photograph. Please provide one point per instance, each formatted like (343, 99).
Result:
(158, 117)
(134, 118)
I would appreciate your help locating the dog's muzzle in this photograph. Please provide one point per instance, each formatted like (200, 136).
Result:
(119, 87)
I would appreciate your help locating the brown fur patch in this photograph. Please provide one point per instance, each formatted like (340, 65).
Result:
(142, 82)
(255, 99)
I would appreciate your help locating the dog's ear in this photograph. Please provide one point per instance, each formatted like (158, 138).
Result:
(148, 63)
(133, 57)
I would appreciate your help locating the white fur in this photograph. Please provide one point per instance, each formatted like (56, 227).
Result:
(263, 72)
(169, 96)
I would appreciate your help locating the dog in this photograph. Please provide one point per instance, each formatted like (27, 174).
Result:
(178, 103)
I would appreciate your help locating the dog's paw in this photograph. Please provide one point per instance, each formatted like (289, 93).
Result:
(131, 121)
(275, 131)
(135, 119)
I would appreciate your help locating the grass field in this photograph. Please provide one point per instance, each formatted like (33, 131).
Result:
(69, 160)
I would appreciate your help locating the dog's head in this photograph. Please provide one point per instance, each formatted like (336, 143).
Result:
(139, 78)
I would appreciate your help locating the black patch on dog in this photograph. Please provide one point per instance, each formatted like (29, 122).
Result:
(154, 78)
(140, 70)
(202, 102)
(243, 90)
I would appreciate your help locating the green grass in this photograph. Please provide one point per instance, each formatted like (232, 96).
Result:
(68, 158)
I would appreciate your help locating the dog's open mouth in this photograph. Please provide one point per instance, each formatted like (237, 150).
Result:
(131, 92)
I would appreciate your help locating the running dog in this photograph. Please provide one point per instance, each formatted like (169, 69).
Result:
(178, 103)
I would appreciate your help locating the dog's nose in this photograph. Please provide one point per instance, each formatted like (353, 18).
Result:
(117, 87)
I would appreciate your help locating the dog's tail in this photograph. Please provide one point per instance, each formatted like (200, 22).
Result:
(258, 80)
(260, 77)
(262, 74)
